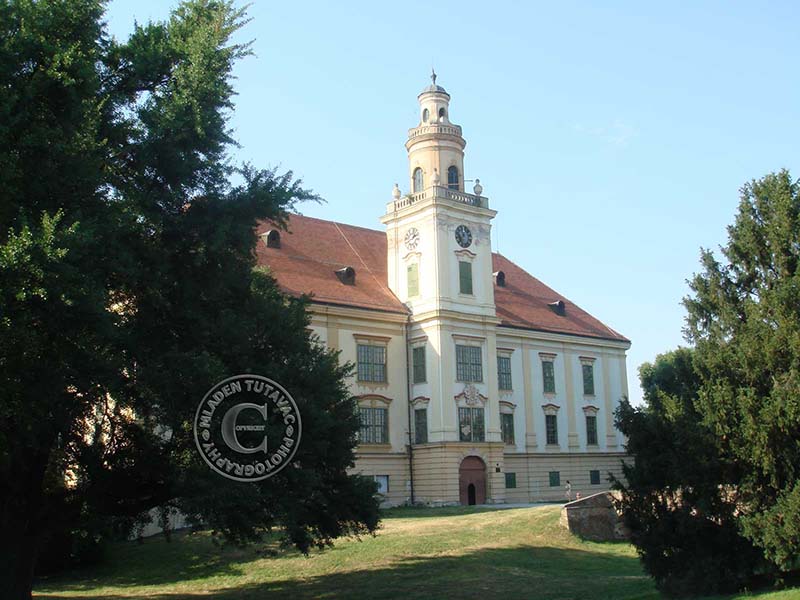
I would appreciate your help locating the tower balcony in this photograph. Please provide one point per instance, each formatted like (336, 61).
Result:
(435, 129)
(437, 192)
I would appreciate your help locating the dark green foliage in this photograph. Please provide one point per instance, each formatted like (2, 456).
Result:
(128, 288)
(712, 497)
(744, 319)
(675, 496)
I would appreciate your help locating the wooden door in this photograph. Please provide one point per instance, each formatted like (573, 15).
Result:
(472, 481)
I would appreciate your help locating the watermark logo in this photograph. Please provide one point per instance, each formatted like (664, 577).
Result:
(247, 428)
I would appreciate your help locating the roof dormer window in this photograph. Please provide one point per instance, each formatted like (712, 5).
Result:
(558, 307)
(500, 279)
(272, 238)
(347, 275)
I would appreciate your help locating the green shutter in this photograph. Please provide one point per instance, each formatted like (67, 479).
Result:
(469, 364)
(420, 426)
(465, 424)
(549, 377)
(511, 480)
(507, 426)
(504, 372)
(477, 425)
(475, 364)
(551, 426)
(591, 430)
(371, 361)
(555, 478)
(418, 355)
(588, 380)
(374, 426)
(465, 277)
(413, 280)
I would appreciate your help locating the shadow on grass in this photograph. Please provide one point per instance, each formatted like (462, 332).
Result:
(190, 556)
(516, 572)
(427, 512)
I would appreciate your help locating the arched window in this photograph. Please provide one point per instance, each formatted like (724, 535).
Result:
(425, 115)
(273, 238)
(442, 113)
(452, 178)
(417, 180)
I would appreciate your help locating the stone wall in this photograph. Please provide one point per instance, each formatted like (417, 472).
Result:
(594, 518)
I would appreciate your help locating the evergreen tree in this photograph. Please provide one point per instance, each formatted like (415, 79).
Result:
(128, 287)
(744, 319)
(674, 496)
(712, 496)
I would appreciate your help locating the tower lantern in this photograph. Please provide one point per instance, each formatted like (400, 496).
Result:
(435, 146)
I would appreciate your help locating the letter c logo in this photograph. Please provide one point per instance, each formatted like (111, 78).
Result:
(229, 428)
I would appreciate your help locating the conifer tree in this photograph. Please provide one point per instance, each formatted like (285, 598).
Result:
(128, 287)
(744, 320)
(712, 496)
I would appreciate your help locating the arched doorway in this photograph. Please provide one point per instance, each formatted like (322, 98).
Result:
(472, 481)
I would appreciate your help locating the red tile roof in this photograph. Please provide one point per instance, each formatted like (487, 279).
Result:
(311, 252)
(524, 300)
(313, 249)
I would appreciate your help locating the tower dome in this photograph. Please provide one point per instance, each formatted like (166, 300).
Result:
(435, 145)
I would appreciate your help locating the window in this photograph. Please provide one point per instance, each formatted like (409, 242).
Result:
(468, 363)
(511, 480)
(591, 430)
(273, 238)
(347, 275)
(383, 484)
(465, 277)
(551, 425)
(588, 379)
(413, 280)
(442, 113)
(507, 425)
(418, 361)
(504, 372)
(555, 478)
(594, 477)
(421, 426)
(470, 421)
(549, 377)
(452, 178)
(374, 426)
(417, 180)
(425, 115)
(371, 363)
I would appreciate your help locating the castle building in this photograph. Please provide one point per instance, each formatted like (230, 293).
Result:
(476, 383)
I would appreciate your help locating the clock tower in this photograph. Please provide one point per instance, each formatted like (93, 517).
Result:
(439, 255)
(439, 236)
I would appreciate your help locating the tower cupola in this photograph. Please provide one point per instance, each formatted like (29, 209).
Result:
(435, 146)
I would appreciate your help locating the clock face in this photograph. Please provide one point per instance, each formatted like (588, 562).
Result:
(463, 236)
(412, 238)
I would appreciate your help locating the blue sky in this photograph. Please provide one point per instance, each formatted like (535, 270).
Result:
(611, 137)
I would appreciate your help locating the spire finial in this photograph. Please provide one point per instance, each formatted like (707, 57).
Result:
(433, 76)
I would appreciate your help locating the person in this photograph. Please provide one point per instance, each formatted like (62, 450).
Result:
(568, 491)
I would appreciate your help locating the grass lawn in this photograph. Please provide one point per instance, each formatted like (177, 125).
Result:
(419, 554)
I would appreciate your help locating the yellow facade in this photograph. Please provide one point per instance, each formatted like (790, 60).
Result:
(540, 420)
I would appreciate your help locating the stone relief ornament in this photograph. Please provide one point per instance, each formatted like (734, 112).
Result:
(471, 395)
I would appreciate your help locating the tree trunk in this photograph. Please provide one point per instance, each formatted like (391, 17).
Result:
(19, 548)
(21, 523)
